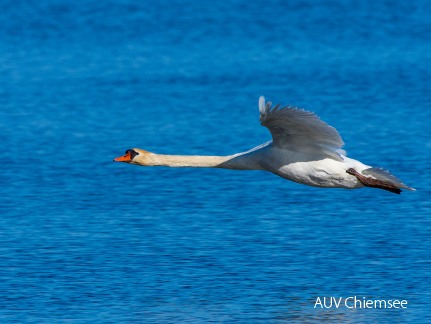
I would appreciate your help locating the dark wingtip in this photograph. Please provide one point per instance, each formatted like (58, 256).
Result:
(398, 192)
(374, 183)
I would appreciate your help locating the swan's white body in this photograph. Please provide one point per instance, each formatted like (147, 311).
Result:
(304, 150)
(309, 169)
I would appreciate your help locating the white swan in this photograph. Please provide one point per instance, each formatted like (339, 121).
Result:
(304, 149)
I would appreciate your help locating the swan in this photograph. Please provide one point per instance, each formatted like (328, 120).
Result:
(304, 149)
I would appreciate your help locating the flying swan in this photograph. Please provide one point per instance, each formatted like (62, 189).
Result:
(304, 149)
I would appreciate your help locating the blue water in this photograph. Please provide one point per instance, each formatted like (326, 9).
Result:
(87, 240)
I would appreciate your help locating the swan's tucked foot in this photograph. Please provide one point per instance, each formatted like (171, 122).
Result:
(374, 183)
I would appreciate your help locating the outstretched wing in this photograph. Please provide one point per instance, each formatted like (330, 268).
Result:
(300, 131)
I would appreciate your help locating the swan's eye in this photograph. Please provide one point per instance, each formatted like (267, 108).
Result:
(132, 153)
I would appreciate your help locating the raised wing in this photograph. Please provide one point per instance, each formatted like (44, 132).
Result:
(300, 131)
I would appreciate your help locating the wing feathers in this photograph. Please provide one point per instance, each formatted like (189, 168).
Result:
(300, 130)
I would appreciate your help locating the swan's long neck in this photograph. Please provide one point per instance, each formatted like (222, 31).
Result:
(241, 161)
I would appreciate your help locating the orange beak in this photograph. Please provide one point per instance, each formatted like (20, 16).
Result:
(125, 158)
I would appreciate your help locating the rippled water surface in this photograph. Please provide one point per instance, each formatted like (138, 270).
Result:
(86, 240)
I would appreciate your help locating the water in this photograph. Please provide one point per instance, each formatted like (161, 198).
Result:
(86, 240)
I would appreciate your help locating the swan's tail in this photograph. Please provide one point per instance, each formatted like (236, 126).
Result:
(385, 176)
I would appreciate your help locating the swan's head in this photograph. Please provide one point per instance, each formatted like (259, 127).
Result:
(133, 156)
